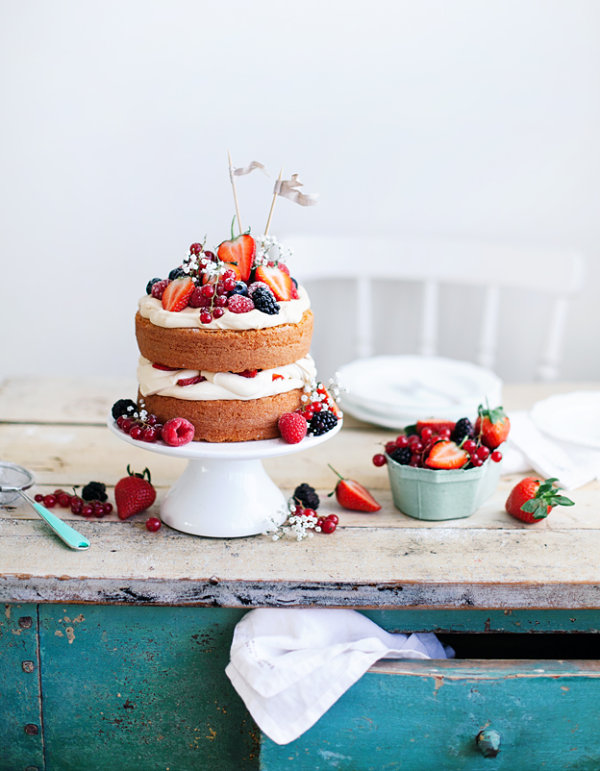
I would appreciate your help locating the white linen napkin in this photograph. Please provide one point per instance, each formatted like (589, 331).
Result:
(289, 665)
(530, 448)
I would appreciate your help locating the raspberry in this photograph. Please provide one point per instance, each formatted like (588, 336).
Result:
(264, 300)
(159, 288)
(307, 496)
(322, 422)
(177, 431)
(150, 284)
(292, 427)
(256, 285)
(237, 303)
(198, 300)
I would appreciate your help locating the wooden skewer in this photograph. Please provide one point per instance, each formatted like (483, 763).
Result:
(235, 198)
(272, 205)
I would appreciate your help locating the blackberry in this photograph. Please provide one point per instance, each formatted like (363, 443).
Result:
(94, 491)
(322, 422)
(123, 407)
(307, 496)
(265, 300)
(462, 430)
(401, 455)
(150, 284)
(176, 273)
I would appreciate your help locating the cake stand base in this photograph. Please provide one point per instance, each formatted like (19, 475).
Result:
(225, 492)
(224, 499)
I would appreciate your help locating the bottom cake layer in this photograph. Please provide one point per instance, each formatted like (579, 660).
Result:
(226, 420)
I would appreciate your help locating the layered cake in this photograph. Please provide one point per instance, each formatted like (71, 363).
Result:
(224, 344)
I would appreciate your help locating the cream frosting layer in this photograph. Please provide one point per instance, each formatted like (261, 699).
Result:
(225, 385)
(291, 311)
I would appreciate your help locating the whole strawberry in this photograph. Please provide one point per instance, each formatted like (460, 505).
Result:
(134, 493)
(492, 426)
(352, 495)
(531, 500)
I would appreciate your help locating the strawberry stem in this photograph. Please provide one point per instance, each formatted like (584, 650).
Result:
(337, 473)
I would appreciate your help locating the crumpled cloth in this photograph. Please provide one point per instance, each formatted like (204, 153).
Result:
(529, 448)
(289, 665)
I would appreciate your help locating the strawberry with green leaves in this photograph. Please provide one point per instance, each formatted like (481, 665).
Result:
(531, 500)
(134, 493)
(492, 426)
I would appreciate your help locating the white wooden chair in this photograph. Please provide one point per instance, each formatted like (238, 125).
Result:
(433, 263)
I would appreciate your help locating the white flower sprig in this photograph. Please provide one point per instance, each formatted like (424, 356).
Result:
(296, 526)
(269, 249)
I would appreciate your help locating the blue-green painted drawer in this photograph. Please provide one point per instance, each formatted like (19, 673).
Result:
(424, 715)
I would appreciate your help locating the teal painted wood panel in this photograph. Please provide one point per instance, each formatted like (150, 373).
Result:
(20, 713)
(513, 621)
(130, 688)
(425, 720)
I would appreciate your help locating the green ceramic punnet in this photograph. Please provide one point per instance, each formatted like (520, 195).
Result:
(433, 495)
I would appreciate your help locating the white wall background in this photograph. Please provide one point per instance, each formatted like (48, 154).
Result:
(437, 117)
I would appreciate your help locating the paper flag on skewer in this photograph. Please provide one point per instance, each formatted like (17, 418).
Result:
(241, 170)
(288, 188)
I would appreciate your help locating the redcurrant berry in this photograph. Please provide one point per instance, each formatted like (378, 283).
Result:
(482, 452)
(87, 510)
(402, 441)
(327, 525)
(469, 446)
(39, 498)
(49, 501)
(64, 500)
(333, 518)
(136, 432)
(153, 524)
(496, 456)
(218, 312)
(426, 434)
(108, 507)
(126, 425)
(205, 317)
(195, 249)
(149, 434)
(310, 513)
(379, 459)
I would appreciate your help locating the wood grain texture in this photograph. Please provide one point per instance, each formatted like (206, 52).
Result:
(381, 560)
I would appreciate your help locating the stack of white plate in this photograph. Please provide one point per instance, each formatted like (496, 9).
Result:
(395, 391)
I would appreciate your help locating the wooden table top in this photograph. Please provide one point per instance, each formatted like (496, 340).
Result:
(56, 428)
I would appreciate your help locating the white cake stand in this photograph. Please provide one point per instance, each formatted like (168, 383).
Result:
(225, 491)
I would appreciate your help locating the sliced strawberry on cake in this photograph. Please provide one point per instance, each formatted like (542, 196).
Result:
(278, 281)
(239, 252)
(177, 294)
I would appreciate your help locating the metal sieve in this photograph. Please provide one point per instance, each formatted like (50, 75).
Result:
(13, 481)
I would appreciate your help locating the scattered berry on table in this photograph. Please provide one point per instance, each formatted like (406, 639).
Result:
(531, 500)
(123, 407)
(264, 300)
(352, 495)
(322, 422)
(133, 493)
(292, 427)
(177, 432)
(307, 496)
(153, 524)
(94, 491)
(50, 501)
(327, 525)
(379, 459)
(496, 456)
(38, 498)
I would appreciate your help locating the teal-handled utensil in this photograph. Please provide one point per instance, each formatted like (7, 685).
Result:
(14, 480)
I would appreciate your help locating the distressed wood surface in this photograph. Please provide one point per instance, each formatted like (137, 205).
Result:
(56, 428)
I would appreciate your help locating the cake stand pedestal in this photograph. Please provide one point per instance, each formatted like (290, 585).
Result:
(225, 491)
